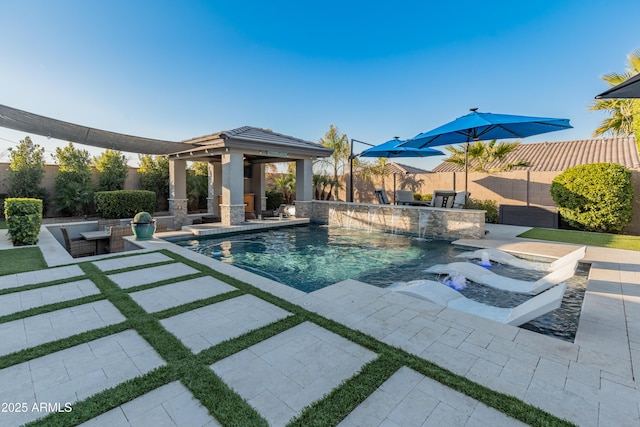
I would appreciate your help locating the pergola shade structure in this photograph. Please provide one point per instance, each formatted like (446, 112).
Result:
(236, 160)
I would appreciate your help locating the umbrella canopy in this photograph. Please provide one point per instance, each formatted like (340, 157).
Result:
(391, 149)
(477, 126)
(627, 89)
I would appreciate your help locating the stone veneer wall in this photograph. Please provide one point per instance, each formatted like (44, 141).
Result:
(418, 221)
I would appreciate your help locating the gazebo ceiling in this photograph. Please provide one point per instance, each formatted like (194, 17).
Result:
(258, 145)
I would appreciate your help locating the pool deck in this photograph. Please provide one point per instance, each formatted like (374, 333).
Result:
(590, 382)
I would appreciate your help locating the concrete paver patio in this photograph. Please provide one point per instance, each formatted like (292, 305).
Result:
(590, 382)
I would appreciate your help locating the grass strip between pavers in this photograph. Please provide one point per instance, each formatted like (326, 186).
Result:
(109, 399)
(41, 285)
(340, 401)
(50, 307)
(30, 353)
(221, 401)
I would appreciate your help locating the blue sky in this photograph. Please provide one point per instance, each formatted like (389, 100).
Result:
(177, 70)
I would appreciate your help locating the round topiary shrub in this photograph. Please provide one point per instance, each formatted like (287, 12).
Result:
(594, 197)
(142, 218)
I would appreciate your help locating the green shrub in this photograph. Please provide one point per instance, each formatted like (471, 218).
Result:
(124, 203)
(594, 197)
(274, 199)
(24, 218)
(422, 197)
(490, 206)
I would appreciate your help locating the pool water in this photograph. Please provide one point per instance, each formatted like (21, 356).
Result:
(312, 257)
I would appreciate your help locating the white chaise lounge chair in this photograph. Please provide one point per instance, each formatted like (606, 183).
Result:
(479, 274)
(501, 257)
(442, 294)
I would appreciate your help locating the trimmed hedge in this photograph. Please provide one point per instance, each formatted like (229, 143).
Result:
(594, 197)
(24, 218)
(124, 203)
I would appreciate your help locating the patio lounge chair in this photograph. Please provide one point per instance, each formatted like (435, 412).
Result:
(442, 294)
(460, 199)
(501, 257)
(443, 199)
(78, 247)
(405, 197)
(481, 275)
(381, 195)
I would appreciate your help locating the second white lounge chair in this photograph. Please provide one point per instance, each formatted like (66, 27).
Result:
(442, 294)
(501, 257)
(479, 274)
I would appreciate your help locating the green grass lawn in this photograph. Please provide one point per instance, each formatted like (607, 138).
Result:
(3, 225)
(604, 240)
(21, 259)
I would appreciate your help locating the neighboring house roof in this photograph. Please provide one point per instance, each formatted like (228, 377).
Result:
(398, 168)
(559, 156)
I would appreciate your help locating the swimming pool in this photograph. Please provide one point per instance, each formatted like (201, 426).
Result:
(311, 257)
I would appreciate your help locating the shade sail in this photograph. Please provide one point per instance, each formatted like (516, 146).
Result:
(13, 118)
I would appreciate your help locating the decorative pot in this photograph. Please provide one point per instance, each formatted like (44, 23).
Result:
(143, 230)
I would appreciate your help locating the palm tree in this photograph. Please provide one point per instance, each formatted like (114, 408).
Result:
(625, 113)
(341, 151)
(487, 157)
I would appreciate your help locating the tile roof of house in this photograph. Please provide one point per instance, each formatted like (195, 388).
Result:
(398, 168)
(559, 156)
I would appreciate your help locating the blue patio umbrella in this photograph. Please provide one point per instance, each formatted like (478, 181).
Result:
(477, 126)
(391, 149)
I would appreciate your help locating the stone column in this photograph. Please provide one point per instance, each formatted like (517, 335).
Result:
(178, 192)
(215, 187)
(258, 186)
(232, 207)
(304, 188)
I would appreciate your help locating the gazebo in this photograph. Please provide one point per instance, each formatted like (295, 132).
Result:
(235, 158)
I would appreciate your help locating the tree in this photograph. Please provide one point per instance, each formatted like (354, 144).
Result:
(625, 113)
(26, 171)
(113, 169)
(341, 151)
(286, 184)
(154, 176)
(486, 157)
(197, 185)
(73, 182)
